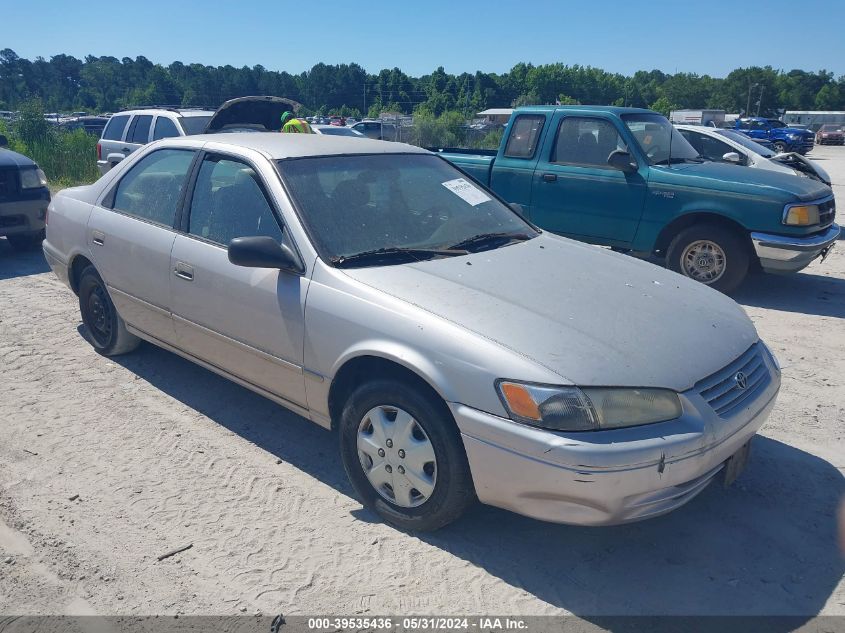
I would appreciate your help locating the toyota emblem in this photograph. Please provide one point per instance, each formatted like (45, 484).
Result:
(741, 380)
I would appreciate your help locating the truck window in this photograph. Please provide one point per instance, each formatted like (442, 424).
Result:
(524, 134)
(586, 141)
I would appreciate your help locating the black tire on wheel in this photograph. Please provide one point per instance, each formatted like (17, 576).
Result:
(26, 241)
(734, 247)
(779, 147)
(107, 331)
(453, 489)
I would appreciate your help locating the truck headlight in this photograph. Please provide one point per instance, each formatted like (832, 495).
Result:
(33, 179)
(587, 408)
(801, 215)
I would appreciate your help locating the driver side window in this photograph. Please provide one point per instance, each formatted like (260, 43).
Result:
(586, 141)
(229, 202)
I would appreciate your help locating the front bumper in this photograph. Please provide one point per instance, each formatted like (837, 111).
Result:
(789, 254)
(23, 216)
(607, 477)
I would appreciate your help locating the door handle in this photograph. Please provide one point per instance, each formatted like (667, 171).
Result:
(184, 271)
(98, 237)
(549, 177)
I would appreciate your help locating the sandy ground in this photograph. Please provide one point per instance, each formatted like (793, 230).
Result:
(105, 465)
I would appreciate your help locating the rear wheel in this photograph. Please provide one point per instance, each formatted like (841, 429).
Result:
(108, 333)
(711, 254)
(404, 456)
(26, 241)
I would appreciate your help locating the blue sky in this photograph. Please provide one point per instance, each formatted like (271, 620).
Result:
(702, 36)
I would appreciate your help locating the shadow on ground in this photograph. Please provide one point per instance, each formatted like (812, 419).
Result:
(765, 546)
(802, 292)
(14, 263)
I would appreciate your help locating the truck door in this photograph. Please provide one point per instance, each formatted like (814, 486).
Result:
(574, 190)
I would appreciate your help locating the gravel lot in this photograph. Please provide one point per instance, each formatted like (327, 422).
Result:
(105, 465)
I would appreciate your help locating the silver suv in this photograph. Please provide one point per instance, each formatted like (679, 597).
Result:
(128, 130)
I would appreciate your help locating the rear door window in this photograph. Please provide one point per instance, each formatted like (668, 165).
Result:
(115, 127)
(152, 189)
(524, 135)
(165, 128)
(140, 132)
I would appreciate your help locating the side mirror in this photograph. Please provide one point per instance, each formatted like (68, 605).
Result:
(622, 160)
(732, 157)
(4, 142)
(517, 208)
(263, 252)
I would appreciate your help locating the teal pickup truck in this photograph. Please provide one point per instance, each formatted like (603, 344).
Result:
(625, 178)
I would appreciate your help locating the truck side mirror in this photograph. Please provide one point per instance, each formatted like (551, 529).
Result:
(622, 160)
(732, 157)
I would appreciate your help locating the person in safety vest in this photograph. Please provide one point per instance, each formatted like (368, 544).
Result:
(291, 124)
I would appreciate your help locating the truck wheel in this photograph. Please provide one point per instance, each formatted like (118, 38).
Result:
(711, 254)
(404, 456)
(779, 147)
(109, 335)
(26, 241)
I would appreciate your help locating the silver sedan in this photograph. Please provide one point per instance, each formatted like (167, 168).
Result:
(459, 352)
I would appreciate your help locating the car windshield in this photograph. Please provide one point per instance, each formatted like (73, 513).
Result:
(659, 140)
(194, 124)
(776, 123)
(415, 204)
(829, 128)
(747, 143)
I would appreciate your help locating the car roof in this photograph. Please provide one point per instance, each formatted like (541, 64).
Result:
(276, 145)
(618, 110)
(178, 112)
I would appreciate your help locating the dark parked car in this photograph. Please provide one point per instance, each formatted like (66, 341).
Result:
(24, 197)
(91, 124)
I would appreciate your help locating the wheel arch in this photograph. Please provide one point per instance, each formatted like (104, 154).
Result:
(359, 368)
(77, 264)
(671, 230)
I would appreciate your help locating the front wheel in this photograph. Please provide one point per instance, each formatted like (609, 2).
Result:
(404, 456)
(714, 255)
(779, 147)
(108, 333)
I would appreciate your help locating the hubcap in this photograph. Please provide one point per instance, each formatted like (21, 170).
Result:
(397, 456)
(704, 261)
(99, 315)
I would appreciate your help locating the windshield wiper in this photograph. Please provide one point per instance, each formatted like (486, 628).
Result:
(393, 253)
(490, 239)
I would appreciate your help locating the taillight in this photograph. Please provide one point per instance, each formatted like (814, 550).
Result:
(99, 152)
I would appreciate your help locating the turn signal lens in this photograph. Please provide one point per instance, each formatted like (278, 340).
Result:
(520, 401)
(802, 215)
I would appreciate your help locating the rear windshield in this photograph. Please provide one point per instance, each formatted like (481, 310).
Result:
(194, 124)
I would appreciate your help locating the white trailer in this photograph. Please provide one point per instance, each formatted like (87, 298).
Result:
(813, 119)
(712, 118)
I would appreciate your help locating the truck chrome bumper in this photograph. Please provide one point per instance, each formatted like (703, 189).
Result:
(788, 254)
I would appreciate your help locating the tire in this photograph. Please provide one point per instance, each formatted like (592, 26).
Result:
(714, 244)
(779, 147)
(107, 331)
(445, 486)
(26, 241)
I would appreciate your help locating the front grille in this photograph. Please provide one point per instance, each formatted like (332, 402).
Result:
(827, 212)
(722, 390)
(8, 183)
(12, 220)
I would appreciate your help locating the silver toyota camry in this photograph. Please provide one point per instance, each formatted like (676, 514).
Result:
(459, 352)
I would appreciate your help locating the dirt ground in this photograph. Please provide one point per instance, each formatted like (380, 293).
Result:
(107, 464)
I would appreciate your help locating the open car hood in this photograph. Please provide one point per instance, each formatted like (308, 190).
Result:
(804, 165)
(252, 112)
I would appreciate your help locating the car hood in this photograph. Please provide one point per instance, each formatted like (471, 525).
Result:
(795, 130)
(802, 165)
(592, 316)
(732, 178)
(8, 158)
(246, 111)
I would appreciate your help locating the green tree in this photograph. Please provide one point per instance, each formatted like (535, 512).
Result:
(663, 106)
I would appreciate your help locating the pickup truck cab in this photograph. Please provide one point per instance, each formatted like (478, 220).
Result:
(782, 137)
(625, 178)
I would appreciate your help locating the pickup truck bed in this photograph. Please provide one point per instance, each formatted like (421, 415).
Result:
(478, 163)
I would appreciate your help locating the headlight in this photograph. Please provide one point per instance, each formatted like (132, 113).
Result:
(792, 136)
(33, 179)
(588, 408)
(801, 214)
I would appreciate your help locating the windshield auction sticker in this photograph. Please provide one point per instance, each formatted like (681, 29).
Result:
(466, 190)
